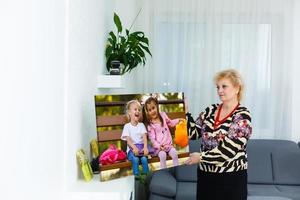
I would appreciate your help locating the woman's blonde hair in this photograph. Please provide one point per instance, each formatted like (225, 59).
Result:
(128, 105)
(234, 77)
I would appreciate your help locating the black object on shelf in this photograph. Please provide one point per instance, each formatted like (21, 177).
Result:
(115, 68)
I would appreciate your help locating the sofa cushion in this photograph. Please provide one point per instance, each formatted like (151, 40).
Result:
(186, 190)
(157, 197)
(259, 165)
(272, 145)
(194, 145)
(267, 198)
(263, 163)
(290, 191)
(186, 173)
(286, 167)
(263, 190)
(163, 183)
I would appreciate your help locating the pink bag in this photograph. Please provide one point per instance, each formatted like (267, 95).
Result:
(112, 155)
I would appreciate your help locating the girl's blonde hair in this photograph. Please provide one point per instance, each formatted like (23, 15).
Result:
(234, 77)
(128, 105)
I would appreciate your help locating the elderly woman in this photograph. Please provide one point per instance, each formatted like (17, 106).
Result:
(224, 130)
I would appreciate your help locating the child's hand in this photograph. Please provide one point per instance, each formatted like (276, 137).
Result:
(181, 120)
(135, 150)
(162, 147)
(146, 151)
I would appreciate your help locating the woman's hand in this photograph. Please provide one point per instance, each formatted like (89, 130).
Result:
(194, 158)
(146, 151)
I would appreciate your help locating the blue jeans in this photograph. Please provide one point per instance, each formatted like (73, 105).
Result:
(135, 160)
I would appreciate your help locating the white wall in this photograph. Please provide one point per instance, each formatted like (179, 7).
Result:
(32, 106)
(87, 33)
(296, 72)
(50, 55)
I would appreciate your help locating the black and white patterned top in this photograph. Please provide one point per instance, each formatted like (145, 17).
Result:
(223, 145)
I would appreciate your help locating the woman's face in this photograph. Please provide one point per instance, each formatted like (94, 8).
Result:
(226, 91)
(152, 110)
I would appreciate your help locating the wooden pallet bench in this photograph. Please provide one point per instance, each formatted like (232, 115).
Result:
(118, 120)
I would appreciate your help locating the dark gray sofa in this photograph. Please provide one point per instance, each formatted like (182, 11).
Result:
(273, 174)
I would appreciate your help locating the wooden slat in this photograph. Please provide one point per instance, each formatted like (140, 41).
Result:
(171, 101)
(120, 120)
(111, 103)
(123, 103)
(174, 115)
(112, 135)
(127, 163)
(113, 120)
(123, 164)
(180, 155)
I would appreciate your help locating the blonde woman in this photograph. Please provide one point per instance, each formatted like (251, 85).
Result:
(224, 129)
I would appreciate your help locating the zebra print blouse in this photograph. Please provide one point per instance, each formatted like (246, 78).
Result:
(223, 147)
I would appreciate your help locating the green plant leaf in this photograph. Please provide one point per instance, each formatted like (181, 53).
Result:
(108, 63)
(111, 42)
(108, 51)
(145, 40)
(138, 33)
(146, 49)
(113, 36)
(118, 23)
(140, 52)
(123, 39)
(125, 60)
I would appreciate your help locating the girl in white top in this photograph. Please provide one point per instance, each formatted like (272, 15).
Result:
(135, 134)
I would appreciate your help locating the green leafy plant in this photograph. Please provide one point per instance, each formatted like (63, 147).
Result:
(130, 49)
(142, 177)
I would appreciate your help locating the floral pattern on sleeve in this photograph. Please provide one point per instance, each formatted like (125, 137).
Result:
(240, 128)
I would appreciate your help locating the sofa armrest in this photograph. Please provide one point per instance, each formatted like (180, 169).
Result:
(163, 183)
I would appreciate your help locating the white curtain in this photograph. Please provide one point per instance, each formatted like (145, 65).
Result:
(193, 39)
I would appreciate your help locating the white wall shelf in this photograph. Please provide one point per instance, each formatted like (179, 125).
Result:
(110, 81)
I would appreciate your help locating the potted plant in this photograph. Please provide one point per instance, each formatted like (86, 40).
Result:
(129, 49)
(141, 184)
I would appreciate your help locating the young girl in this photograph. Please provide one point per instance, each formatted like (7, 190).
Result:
(157, 124)
(134, 133)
